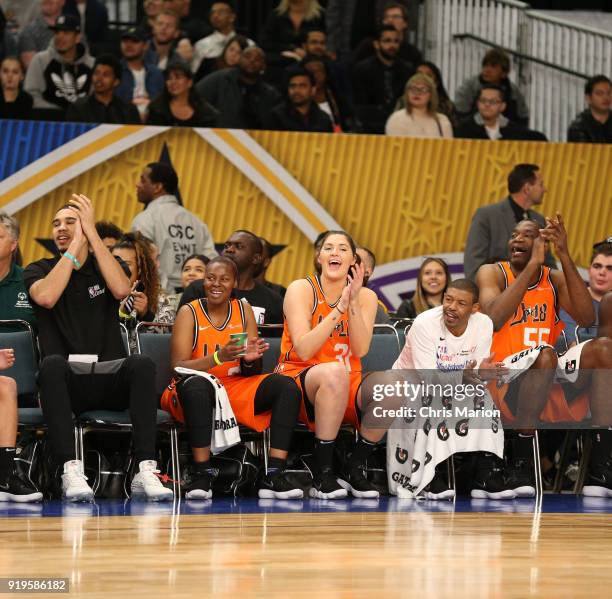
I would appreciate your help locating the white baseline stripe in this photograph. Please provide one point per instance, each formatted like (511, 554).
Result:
(80, 167)
(261, 182)
(279, 170)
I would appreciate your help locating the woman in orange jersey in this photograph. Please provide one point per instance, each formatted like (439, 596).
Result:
(329, 320)
(201, 341)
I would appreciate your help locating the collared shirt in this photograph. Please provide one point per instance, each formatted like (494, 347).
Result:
(14, 300)
(212, 45)
(519, 213)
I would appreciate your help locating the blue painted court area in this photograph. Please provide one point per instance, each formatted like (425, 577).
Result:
(564, 504)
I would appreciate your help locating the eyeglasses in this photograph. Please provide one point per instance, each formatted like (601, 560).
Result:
(489, 101)
(418, 90)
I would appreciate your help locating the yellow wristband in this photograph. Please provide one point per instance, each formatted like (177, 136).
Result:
(218, 362)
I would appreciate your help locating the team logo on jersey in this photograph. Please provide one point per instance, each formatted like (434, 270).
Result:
(96, 290)
(495, 424)
(415, 465)
(401, 455)
(447, 401)
(427, 458)
(427, 427)
(426, 400)
(462, 427)
(570, 367)
(443, 433)
(525, 314)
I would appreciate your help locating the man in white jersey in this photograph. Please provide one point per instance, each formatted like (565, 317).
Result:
(448, 345)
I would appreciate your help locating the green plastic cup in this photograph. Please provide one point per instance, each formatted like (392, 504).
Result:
(242, 340)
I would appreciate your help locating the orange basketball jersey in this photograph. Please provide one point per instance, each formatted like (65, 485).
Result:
(535, 321)
(207, 339)
(337, 346)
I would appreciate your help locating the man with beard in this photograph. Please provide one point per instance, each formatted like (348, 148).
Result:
(300, 112)
(240, 95)
(246, 250)
(522, 297)
(140, 81)
(378, 81)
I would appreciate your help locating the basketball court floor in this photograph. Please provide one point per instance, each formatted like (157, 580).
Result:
(560, 547)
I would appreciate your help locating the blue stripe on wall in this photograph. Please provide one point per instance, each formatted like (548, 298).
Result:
(23, 142)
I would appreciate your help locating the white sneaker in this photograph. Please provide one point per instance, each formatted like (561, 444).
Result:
(74, 485)
(147, 483)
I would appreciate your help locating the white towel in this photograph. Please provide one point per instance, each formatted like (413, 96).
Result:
(225, 426)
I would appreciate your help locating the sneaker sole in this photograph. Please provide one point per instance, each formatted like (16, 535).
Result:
(337, 494)
(83, 497)
(270, 494)
(525, 491)
(596, 491)
(449, 494)
(372, 494)
(31, 498)
(480, 494)
(198, 494)
(140, 494)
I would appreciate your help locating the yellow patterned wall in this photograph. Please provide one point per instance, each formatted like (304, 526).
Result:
(401, 197)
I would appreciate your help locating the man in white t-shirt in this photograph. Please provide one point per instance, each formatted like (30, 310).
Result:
(448, 346)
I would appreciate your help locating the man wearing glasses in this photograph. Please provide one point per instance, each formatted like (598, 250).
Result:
(490, 123)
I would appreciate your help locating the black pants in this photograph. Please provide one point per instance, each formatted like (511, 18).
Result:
(276, 393)
(116, 386)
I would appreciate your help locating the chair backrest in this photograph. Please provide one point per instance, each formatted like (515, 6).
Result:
(25, 369)
(157, 347)
(384, 349)
(270, 358)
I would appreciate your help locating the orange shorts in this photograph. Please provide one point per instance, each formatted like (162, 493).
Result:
(558, 408)
(241, 391)
(307, 415)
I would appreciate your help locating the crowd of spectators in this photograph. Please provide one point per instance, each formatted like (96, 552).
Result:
(348, 67)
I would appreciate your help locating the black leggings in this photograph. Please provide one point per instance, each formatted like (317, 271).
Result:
(276, 393)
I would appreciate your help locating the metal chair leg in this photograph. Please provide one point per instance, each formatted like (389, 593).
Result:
(450, 466)
(566, 446)
(539, 488)
(175, 464)
(266, 447)
(585, 444)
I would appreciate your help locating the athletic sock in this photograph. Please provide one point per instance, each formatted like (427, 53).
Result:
(362, 452)
(202, 467)
(7, 462)
(324, 453)
(276, 465)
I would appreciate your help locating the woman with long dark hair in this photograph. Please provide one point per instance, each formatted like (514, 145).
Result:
(179, 105)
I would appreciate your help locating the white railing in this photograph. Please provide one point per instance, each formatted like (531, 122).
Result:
(552, 57)
(495, 20)
(556, 96)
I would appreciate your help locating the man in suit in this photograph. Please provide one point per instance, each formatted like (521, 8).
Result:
(492, 225)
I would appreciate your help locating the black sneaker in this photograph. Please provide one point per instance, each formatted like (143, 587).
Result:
(599, 479)
(439, 488)
(278, 485)
(519, 477)
(325, 485)
(198, 485)
(356, 482)
(489, 480)
(15, 489)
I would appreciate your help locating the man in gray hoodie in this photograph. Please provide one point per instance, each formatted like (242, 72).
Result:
(61, 74)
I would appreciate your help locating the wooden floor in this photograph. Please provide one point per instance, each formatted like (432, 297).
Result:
(316, 554)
